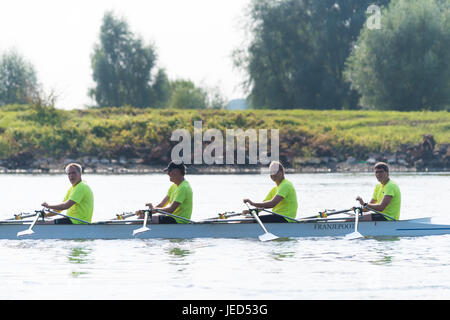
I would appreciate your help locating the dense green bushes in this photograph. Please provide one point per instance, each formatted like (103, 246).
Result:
(145, 133)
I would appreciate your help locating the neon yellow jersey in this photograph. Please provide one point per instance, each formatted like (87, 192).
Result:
(83, 197)
(288, 206)
(183, 195)
(389, 189)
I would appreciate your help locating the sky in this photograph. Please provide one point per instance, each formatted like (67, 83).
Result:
(194, 39)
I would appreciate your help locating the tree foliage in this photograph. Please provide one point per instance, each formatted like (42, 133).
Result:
(18, 79)
(185, 95)
(406, 64)
(122, 68)
(297, 55)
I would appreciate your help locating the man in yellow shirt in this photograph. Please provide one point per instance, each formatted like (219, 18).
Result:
(282, 198)
(79, 199)
(386, 197)
(178, 200)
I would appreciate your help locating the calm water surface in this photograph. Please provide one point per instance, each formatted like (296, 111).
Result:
(314, 268)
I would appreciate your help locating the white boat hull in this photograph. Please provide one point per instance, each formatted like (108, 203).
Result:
(404, 228)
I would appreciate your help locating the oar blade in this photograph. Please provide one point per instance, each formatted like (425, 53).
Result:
(267, 237)
(354, 235)
(140, 230)
(25, 233)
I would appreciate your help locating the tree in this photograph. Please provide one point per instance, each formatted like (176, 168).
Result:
(298, 52)
(406, 64)
(161, 90)
(18, 80)
(185, 95)
(122, 68)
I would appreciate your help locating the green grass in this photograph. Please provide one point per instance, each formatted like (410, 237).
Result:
(113, 132)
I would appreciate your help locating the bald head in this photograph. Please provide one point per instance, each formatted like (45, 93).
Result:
(276, 171)
(275, 167)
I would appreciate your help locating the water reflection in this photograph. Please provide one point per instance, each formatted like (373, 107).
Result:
(383, 260)
(384, 250)
(385, 238)
(79, 256)
(180, 252)
(280, 256)
(284, 248)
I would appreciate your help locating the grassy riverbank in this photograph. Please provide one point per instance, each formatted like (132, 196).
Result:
(30, 133)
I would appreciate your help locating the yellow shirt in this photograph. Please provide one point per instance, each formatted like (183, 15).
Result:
(183, 195)
(288, 206)
(83, 197)
(389, 189)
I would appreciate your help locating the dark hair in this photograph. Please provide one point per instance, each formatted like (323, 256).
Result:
(172, 165)
(381, 165)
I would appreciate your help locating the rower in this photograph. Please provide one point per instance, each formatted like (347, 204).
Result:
(282, 198)
(79, 199)
(386, 197)
(178, 200)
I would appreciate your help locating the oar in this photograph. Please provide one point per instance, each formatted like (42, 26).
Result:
(355, 235)
(22, 216)
(120, 218)
(173, 216)
(278, 214)
(66, 216)
(30, 229)
(327, 214)
(267, 236)
(225, 215)
(124, 215)
(384, 215)
(144, 228)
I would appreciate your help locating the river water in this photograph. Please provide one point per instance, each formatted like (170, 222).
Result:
(312, 268)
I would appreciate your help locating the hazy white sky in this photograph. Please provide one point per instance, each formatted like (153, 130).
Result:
(194, 39)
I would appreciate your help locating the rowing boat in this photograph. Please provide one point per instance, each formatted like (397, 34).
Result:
(223, 229)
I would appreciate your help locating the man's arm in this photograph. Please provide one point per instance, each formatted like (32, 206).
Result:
(266, 204)
(171, 208)
(361, 201)
(58, 207)
(381, 206)
(160, 205)
(164, 202)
